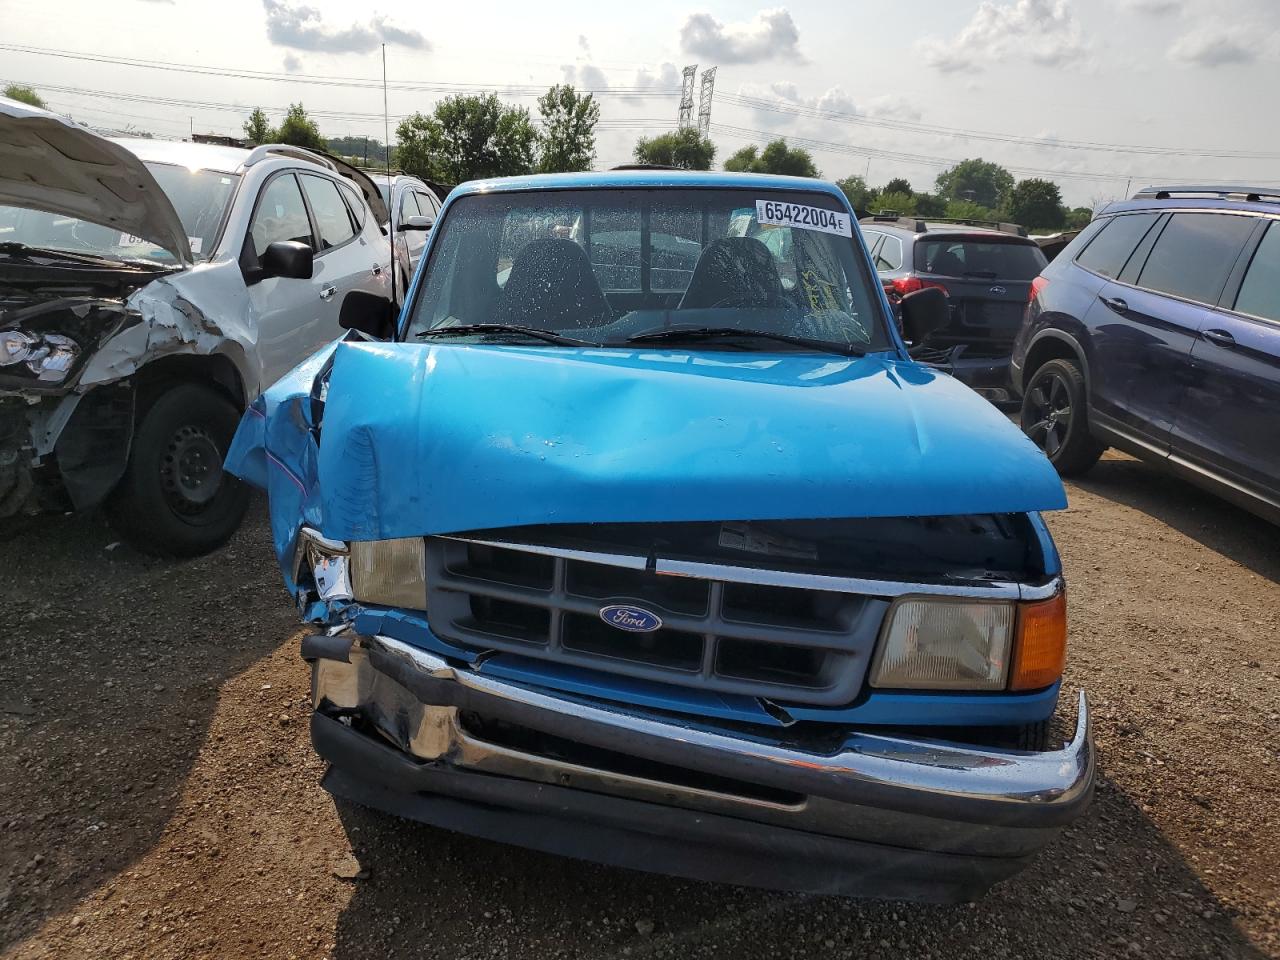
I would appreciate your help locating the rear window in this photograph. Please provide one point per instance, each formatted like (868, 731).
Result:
(1115, 243)
(985, 259)
(1194, 254)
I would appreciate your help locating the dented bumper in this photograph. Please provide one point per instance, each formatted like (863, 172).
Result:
(857, 813)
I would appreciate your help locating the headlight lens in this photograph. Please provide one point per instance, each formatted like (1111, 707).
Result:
(392, 573)
(53, 358)
(15, 346)
(940, 644)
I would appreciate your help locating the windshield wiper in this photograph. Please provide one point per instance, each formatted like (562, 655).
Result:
(462, 329)
(676, 334)
(18, 250)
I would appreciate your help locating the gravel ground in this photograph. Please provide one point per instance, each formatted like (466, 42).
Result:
(159, 798)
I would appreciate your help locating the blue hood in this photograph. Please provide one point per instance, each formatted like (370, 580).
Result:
(427, 439)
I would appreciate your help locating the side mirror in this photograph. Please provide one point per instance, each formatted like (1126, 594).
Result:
(924, 313)
(368, 313)
(288, 258)
(419, 223)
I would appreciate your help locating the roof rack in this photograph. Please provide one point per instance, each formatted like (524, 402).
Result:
(1244, 194)
(267, 150)
(644, 166)
(924, 225)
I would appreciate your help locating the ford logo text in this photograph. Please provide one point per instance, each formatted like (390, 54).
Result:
(632, 619)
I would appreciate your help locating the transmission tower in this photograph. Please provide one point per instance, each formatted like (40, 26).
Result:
(686, 97)
(704, 102)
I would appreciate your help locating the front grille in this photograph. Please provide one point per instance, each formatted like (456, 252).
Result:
(727, 635)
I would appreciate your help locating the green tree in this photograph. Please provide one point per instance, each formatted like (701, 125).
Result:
(1078, 218)
(257, 129)
(16, 91)
(898, 185)
(300, 130)
(903, 204)
(1037, 203)
(467, 137)
(776, 157)
(358, 149)
(684, 149)
(980, 181)
(568, 140)
(930, 205)
(968, 210)
(856, 191)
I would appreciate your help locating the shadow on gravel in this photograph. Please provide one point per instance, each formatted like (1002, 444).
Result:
(110, 667)
(1205, 518)
(1110, 887)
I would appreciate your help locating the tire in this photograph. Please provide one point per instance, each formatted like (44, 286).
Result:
(174, 500)
(1055, 416)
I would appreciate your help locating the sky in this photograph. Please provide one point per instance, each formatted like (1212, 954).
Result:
(1102, 96)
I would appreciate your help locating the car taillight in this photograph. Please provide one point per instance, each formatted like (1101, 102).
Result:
(904, 285)
(1038, 284)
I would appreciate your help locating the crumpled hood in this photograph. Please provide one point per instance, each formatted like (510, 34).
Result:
(427, 439)
(49, 163)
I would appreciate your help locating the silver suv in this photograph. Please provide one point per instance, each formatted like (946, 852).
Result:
(149, 290)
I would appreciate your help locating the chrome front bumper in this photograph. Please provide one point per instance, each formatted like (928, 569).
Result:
(867, 814)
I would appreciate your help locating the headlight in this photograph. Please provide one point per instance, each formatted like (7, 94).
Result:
(15, 346)
(53, 358)
(937, 643)
(392, 573)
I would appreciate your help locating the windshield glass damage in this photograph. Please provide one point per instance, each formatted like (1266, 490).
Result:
(200, 197)
(725, 269)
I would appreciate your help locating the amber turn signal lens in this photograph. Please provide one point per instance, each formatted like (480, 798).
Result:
(1040, 652)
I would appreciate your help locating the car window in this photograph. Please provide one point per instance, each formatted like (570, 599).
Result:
(985, 259)
(889, 256)
(427, 204)
(408, 205)
(333, 222)
(281, 215)
(602, 265)
(1112, 245)
(1194, 254)
(1260, 293)
(356, 203)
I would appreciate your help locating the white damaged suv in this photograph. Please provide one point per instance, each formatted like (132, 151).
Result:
(149, 291)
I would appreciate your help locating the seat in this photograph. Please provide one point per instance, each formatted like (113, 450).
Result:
(734, 272)
(552, 287)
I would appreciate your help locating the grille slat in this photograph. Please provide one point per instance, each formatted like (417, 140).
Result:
(785, 643)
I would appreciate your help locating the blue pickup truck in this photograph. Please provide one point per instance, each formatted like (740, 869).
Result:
(639, 538)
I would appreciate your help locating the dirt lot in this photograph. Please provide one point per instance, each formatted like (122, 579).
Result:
(158, 796)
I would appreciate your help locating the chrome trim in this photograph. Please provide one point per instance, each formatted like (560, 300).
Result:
(943, 772)
(985, 590)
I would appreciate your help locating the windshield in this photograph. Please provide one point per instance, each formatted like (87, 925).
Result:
(602, 266)
(201, 198)
(988, 260)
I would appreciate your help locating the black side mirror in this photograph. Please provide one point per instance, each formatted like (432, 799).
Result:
(924, 313)
(368, 313)
(419, 222)
(288, 258)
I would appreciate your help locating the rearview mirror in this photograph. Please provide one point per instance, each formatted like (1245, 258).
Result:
(415, 223)
(924, 313)
(288, 258)
(368, 313)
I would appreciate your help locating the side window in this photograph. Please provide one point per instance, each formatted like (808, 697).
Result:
(355, 200)
(1260, 293)
(408, 205)
(1111, 247)
(281, 215)
(889, 256)
(333, 222)
(427, 204)
(1194, 255)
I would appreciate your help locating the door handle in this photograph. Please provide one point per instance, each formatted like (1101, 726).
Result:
(1221, 337)
(377, 270)
(1116, 304)
(328, 292)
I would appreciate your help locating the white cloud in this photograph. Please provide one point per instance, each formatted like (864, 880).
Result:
(1215, 48)
(771, 35)
(1155, 7)
(584, 76)
(1042, 31)
(292, 63)
(301, 27)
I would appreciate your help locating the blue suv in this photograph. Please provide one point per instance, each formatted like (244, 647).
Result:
(1157, 331)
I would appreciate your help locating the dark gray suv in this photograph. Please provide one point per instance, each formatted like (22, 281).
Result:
(984, 267)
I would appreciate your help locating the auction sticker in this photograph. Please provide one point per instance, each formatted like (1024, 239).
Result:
(776, 213)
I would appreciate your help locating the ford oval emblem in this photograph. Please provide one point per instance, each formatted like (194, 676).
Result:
(997, 291)
(629, 618)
